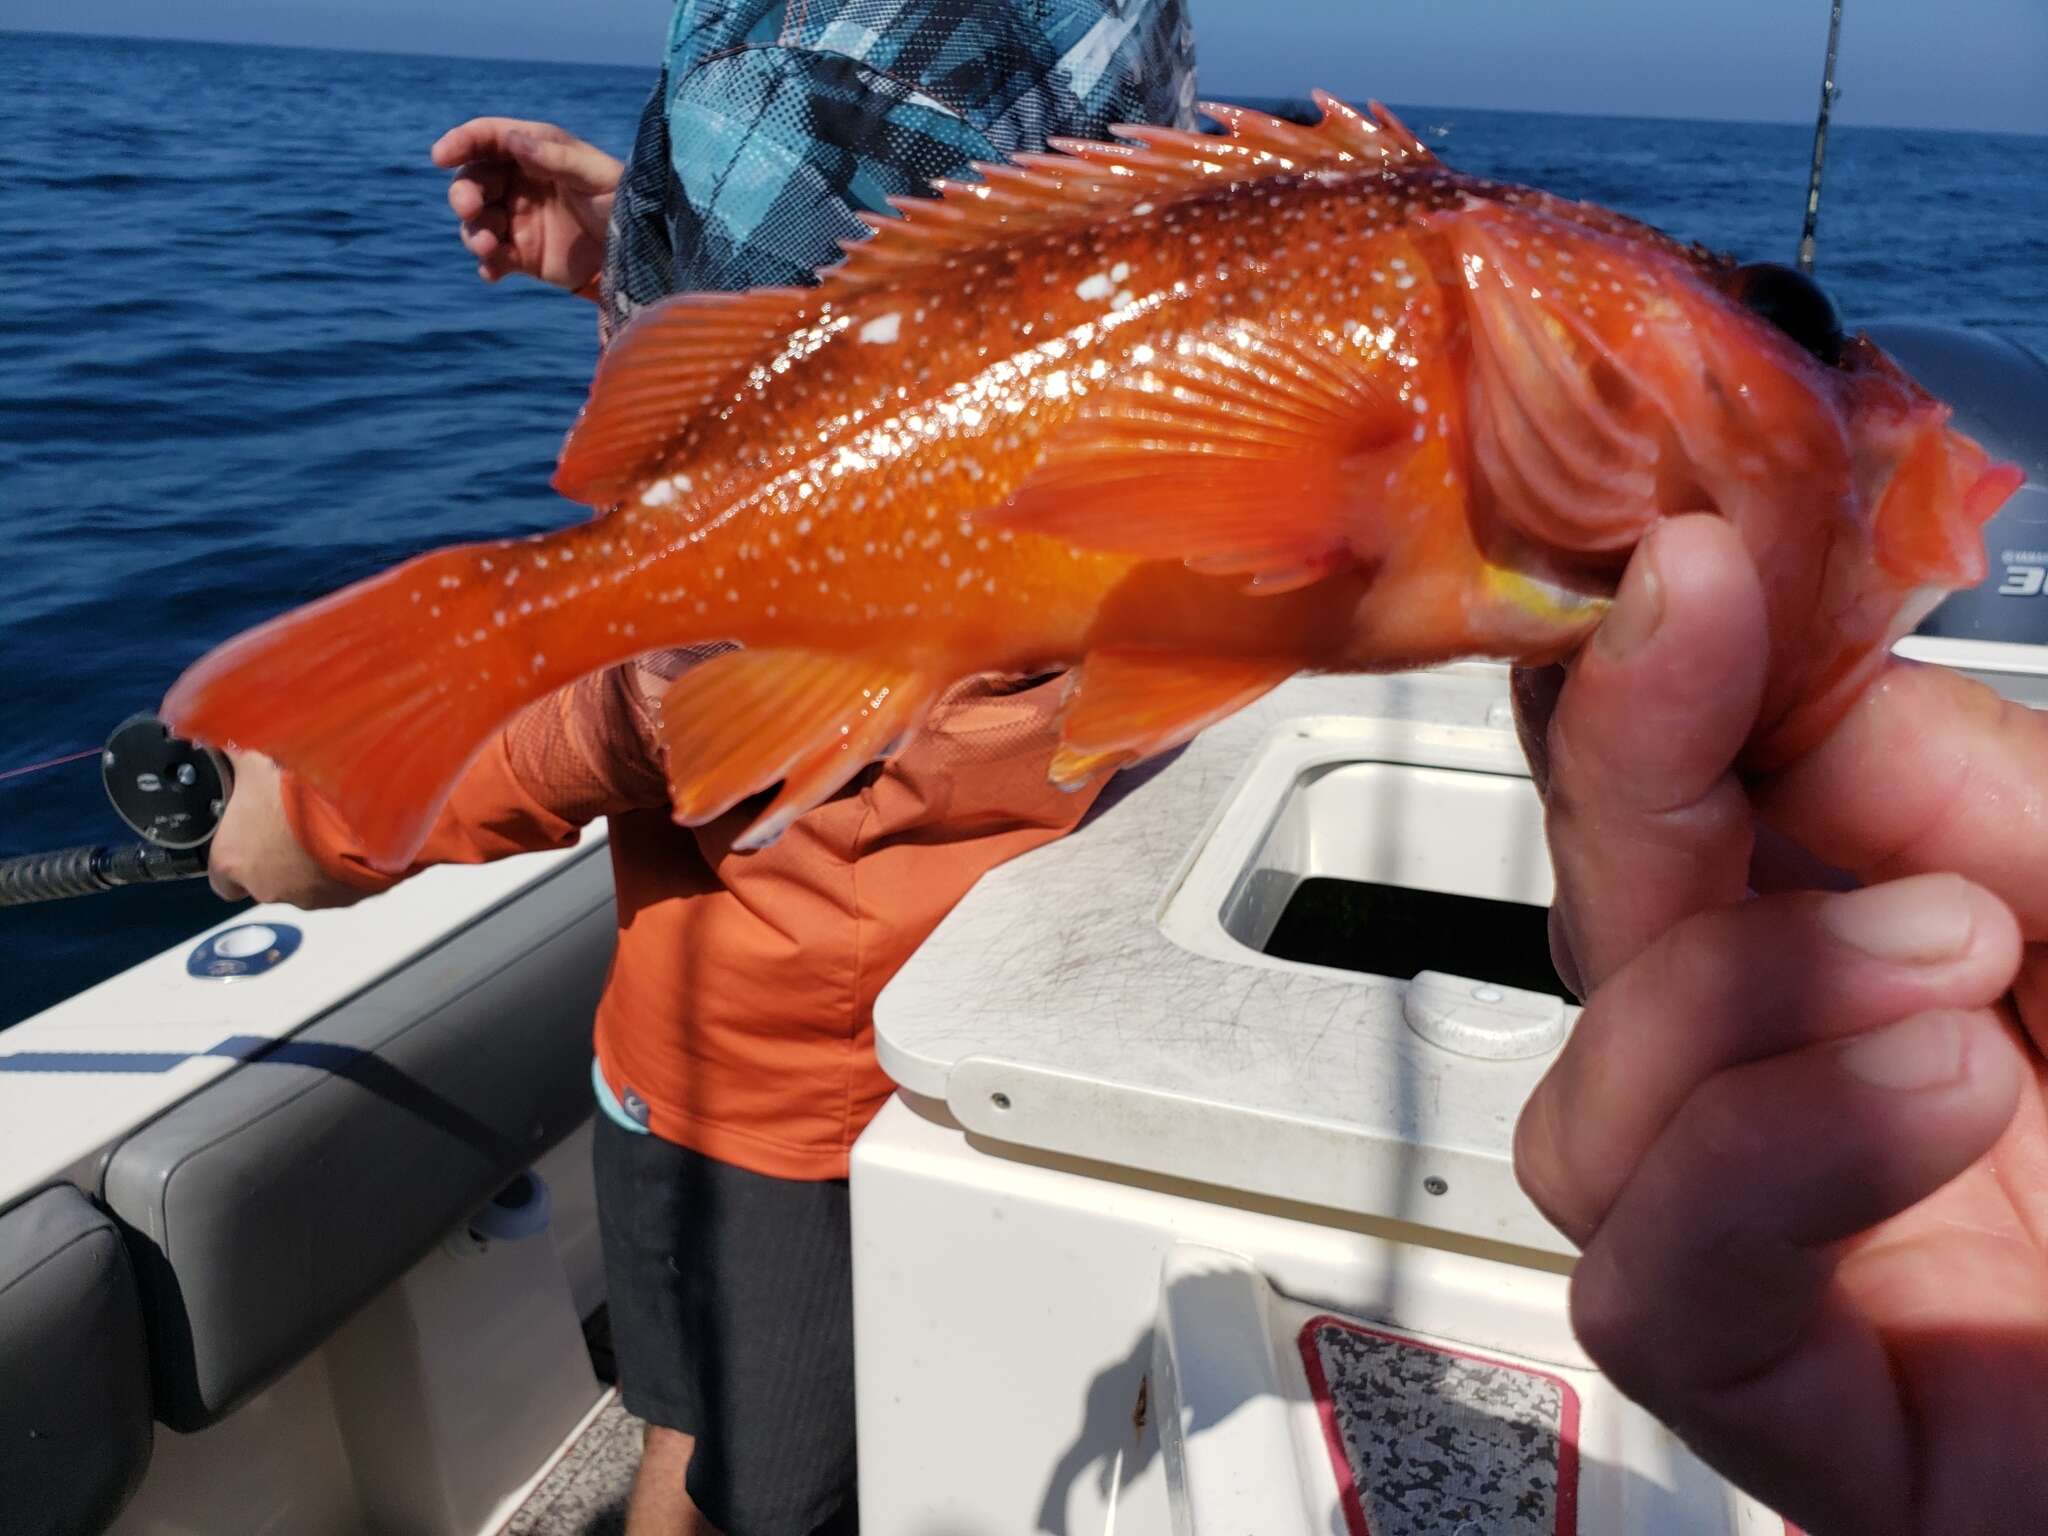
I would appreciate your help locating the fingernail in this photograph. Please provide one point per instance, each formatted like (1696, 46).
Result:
(1916, 921)
(1917, 1053)
(1638, 606)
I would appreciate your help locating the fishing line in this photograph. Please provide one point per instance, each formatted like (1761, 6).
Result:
(55, 762)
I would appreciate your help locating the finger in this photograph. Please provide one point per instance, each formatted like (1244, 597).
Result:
(1928, 770)
(1708, 1295)
(2030, 997)
(569, 161)
(1646, 821)
(1737, 985)
(480, 185)
(1534, 691)
(482, 138)
(497, 266)
(225, 885)
(486, 233)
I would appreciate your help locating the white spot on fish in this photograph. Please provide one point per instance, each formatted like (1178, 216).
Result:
(883, 328)
(1097, 287)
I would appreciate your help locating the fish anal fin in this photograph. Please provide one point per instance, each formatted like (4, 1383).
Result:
(670, 362)
(1087, 180)
(809, 720)
(1129, 704)
(1240, 451)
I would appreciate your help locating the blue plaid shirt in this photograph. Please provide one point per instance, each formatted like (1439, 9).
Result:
(775, 120)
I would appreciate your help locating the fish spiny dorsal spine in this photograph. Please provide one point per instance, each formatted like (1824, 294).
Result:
(686, 354)
(1086, 181)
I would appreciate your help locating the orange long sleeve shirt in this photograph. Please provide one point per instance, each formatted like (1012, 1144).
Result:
(740, 1005)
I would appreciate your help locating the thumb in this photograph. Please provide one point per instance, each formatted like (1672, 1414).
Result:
(574, 164)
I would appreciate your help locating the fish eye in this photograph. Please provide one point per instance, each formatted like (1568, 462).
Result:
(1794, 303)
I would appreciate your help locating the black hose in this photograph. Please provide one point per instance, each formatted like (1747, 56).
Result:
(83, 871)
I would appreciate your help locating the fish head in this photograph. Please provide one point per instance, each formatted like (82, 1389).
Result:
(1614, 378)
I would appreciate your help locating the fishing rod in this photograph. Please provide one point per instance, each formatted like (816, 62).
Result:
(1828, 91)
(170, 792)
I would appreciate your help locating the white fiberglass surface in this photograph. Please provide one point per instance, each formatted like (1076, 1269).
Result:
(1452, 831)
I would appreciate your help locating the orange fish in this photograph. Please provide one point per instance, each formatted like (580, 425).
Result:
(1185, 413)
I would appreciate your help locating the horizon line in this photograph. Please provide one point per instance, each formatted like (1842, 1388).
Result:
(1218, 96)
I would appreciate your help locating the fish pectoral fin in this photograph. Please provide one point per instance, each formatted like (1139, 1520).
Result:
(811, 720)
(1240, 451)
(1128, 704)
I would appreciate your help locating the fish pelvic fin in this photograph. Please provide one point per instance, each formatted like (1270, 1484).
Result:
(1129, 704)
(808, 720)
(1242, 451)
(379, 696)
(1083, 182)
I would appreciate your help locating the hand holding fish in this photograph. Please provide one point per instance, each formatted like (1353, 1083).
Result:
(1801, 1138)
(532, 198)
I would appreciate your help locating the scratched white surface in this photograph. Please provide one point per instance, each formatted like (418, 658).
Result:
(1056, 963)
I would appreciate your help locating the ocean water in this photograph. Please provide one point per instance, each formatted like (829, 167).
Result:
(244, 360)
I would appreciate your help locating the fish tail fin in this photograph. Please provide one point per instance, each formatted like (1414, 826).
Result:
(380, 695)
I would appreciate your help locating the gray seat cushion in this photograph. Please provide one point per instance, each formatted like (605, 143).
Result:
(74, 1376)
(267, 1208)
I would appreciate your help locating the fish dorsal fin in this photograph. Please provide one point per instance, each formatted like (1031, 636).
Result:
(1087, 181)
(671, 361)
(680, 356)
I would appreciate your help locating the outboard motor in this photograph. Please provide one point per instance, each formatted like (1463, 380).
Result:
(1998, 630)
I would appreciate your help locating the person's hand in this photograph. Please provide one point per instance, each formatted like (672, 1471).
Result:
(254, 852)
(531, 198)
(1802, 1139)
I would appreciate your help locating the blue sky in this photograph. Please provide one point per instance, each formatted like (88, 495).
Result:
(1938, 63)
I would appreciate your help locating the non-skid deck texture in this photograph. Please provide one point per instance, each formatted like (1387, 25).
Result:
(585, 1494)
(1426, 1440)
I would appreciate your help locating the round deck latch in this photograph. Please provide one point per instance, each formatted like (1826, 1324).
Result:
(247, 949)
(1481, 1018)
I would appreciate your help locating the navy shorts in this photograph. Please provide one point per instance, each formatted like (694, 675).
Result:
(731, 1301)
